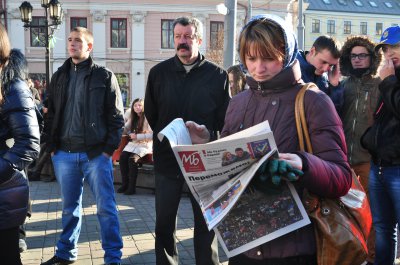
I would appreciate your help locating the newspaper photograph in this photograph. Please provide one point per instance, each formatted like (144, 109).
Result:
(218, 175)
(219, 171)
(259, 217)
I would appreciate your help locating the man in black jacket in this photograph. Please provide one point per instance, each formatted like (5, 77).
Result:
(84, 126)
(185, 86)
(382, 140)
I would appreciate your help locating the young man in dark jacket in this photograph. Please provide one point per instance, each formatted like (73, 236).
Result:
(320, 66)
(185, 86)
(382, 140)
(359, 63)
(84, 126)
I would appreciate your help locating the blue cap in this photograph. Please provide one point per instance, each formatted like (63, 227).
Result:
(390, 36)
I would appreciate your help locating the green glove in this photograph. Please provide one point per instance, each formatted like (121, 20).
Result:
(277, 170)
(285, 171)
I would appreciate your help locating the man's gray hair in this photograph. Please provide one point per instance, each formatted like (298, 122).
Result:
(185, 21)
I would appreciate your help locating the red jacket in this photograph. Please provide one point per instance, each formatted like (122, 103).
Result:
(326, 172)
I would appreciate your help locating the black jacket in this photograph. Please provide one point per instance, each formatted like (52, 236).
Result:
(202, 95)
(103, 110)
(361, 94)
(382, 139)
(17, 120)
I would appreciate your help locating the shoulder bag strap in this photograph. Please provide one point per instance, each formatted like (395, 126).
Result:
(301, 123)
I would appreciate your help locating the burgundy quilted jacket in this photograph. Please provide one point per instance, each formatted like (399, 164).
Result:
(326, 172)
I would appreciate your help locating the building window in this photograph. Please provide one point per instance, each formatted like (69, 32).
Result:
(216, 35)
(331, 27)
(389, 5)
(347, 27)
(373, 4)
(379, 27)
(78, 22)
(118, 32)
(343, 2)
(327, 2)
(363, 28)
(38, 35)
(358, 3)
(167, 34)
(123, 82)
(315, 26)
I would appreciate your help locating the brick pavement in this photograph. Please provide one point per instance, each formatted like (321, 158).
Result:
(137, 220)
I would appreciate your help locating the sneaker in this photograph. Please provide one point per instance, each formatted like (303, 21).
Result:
(22, 246)
(57, 261)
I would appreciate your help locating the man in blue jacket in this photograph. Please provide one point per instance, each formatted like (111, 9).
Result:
(320, 65)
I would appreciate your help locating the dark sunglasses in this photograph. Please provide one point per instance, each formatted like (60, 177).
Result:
(360, 56)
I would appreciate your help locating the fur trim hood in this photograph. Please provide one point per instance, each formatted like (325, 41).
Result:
(345, 63)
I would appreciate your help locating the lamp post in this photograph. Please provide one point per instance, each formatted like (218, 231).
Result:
(229, 11)
(52, 7)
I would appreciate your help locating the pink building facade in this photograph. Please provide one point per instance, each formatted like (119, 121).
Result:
(130, 36)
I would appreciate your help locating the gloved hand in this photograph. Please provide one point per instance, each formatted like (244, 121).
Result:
(277, 170)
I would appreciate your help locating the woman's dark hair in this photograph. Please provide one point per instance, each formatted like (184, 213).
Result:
(17, 67)
(137, 121)
(239, 79)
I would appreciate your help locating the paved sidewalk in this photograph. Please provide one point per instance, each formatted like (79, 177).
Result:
(137, 220)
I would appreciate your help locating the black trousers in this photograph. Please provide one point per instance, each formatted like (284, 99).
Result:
(9, 248)
(168, 195)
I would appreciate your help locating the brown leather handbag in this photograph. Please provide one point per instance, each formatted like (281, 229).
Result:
(341, 225)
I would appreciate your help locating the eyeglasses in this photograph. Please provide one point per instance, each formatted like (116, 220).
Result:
(361, 56)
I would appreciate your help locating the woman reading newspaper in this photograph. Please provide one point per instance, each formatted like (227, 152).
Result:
(268, 49)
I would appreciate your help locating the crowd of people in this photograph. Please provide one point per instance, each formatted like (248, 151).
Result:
(353, 117)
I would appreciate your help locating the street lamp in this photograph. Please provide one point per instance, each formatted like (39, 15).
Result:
(50, 6)
(229, 11)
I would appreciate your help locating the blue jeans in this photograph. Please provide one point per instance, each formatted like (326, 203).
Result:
(71, 169)
(384, 191)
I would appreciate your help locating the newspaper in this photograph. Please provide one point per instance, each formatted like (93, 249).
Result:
(218, 174)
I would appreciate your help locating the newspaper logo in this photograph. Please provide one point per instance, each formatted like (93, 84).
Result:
(191, 161)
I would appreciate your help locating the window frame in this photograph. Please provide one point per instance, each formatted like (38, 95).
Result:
(121, 42)
(347, 27)
(331, 24)
(167, 44)
(364, 28)
(315, 25)
(79, 20)
(214, 35)
(123, 80)
(380, 30)
(39, 32)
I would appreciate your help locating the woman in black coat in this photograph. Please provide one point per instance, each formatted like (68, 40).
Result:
(18, 120)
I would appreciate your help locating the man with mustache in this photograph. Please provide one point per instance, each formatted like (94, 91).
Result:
(190, 87)
(320, 66)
